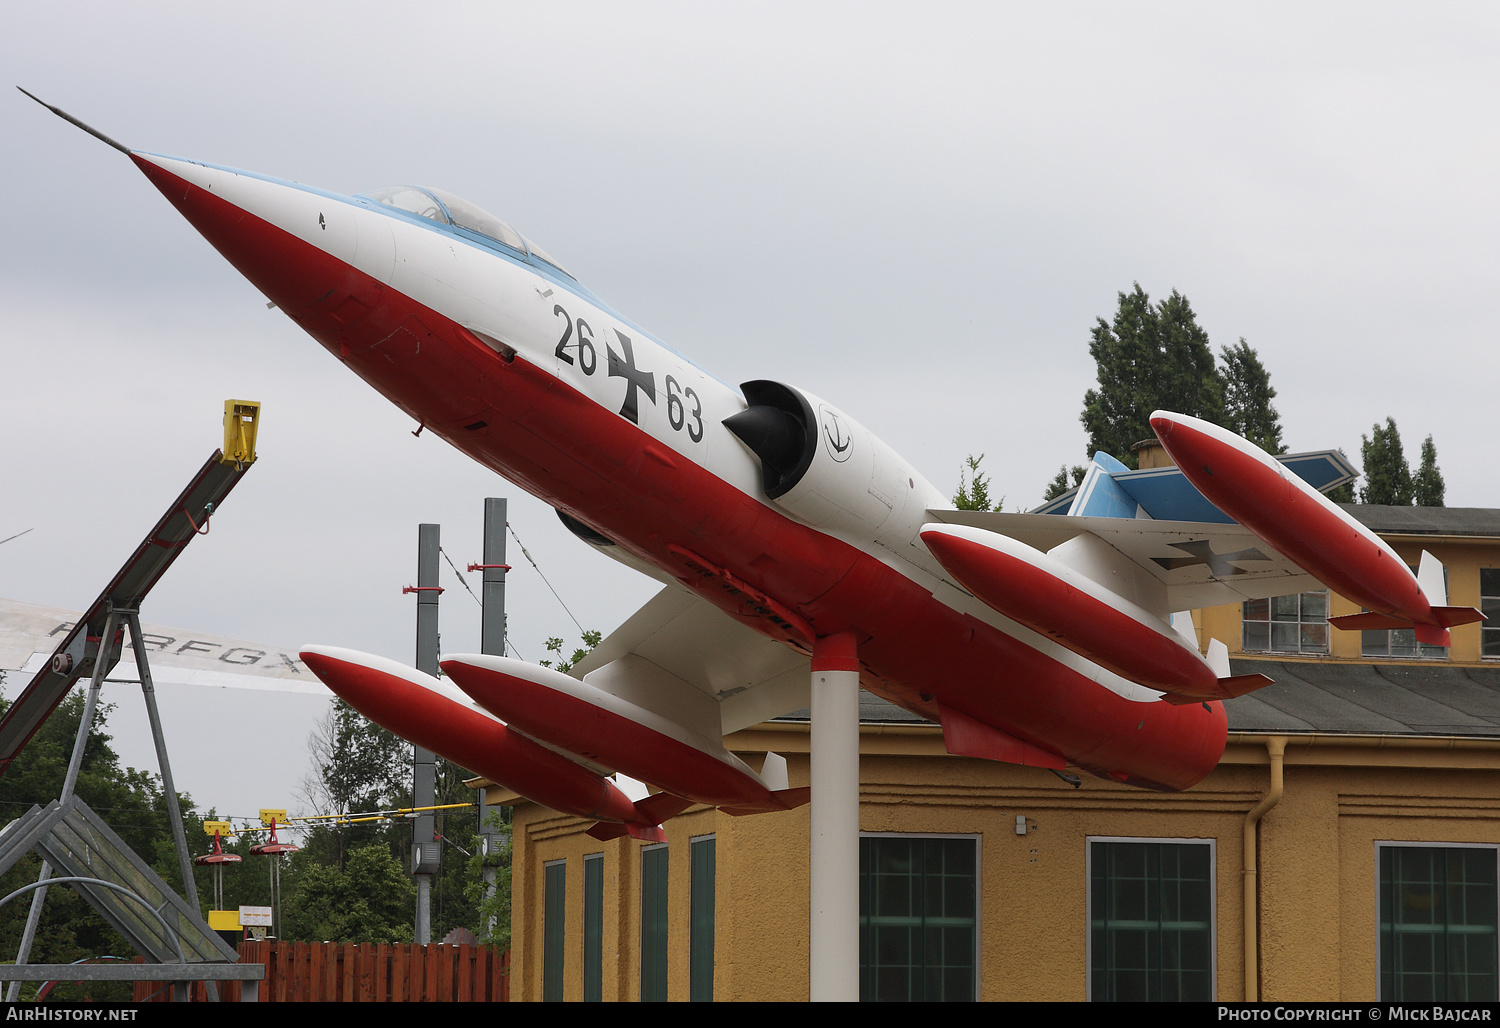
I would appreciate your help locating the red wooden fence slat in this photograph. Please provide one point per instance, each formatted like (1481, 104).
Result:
(334, 972)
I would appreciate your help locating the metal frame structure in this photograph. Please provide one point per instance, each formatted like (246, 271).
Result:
(70, 836)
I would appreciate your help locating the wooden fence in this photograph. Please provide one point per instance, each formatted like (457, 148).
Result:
(334, 972)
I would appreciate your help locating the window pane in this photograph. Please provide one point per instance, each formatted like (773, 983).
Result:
(1150, 918)
(918, 903)
(1489, 604)
(1284, 608)
(593, 928)
(654, 924)
(553, 894)
(701, 915)
(1296, 623)
(1438, 923)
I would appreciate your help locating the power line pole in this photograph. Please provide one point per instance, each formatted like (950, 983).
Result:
(425, 849)
(492, 640)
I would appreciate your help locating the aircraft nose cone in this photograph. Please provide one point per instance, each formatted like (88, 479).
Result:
(1192, 443)
(264, 227)
(1170, 427)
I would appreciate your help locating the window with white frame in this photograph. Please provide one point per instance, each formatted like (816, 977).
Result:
(1398, 642)
(1438, 914)
(918, 918)
(1295, 623)
(654, 923)
(701, 883)
(1151, 919)
(593, 927)
(1489, 604)
(1401, 642)
(554, 902)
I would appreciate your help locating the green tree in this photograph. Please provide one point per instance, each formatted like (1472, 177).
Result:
(1060, 484)
(974, 488)
(361, 768)
(1248, 393)
(1152, 356)
(492, 908)
(358, 767)
(1387, 475)
(1427, 486)
(555, 645)
(369, 899)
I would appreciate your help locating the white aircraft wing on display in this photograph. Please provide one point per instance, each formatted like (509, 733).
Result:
(30, 632)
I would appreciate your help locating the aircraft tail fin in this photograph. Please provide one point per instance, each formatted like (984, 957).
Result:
(1432, 581)
(785, 799)
(967, 736)
(607, 830)
(774, 774)
(1230, 685)
(1368, 621)
(1182, 624)
(1429, 635)
(663, 806)
(1218, 658)
(1229, 688)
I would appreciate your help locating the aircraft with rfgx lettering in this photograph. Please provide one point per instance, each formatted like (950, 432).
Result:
(775, 520)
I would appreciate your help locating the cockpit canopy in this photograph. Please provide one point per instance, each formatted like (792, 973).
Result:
(447, 209)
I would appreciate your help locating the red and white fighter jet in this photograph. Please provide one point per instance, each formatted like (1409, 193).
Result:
(776, 520)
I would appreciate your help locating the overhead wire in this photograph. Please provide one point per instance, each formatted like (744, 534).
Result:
(525, 553)
(465, 583)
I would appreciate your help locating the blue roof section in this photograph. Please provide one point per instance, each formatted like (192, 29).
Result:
(1167, 495)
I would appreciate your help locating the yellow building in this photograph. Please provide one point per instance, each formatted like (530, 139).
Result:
(1344, 848)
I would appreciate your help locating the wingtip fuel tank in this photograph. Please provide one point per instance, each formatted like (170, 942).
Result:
(1287, 514)
(1034, 589)
(615, 731)
(426, 711)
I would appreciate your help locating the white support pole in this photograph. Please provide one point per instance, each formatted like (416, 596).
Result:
(833, 953)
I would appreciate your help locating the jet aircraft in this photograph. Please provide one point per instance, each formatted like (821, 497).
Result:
(774, 519)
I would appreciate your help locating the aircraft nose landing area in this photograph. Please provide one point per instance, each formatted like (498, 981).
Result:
(248, 220)
(296, 246)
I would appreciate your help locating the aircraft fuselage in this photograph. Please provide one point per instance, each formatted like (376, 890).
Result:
(523, 369)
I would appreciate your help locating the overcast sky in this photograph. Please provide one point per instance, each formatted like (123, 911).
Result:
(916, 212)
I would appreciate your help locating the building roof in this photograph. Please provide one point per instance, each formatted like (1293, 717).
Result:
(1385, 699)
(1329, 698)
(1470, 521)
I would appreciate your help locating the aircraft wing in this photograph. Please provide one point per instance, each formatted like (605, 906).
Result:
(1174, 565)
(1113, 489)
(29, 633)
(1165, 545)
(683, 658)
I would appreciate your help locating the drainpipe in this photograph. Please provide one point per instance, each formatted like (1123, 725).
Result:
(1275, 749)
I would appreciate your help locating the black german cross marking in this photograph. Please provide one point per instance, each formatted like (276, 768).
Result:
(635, 378)
(1220, 565)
